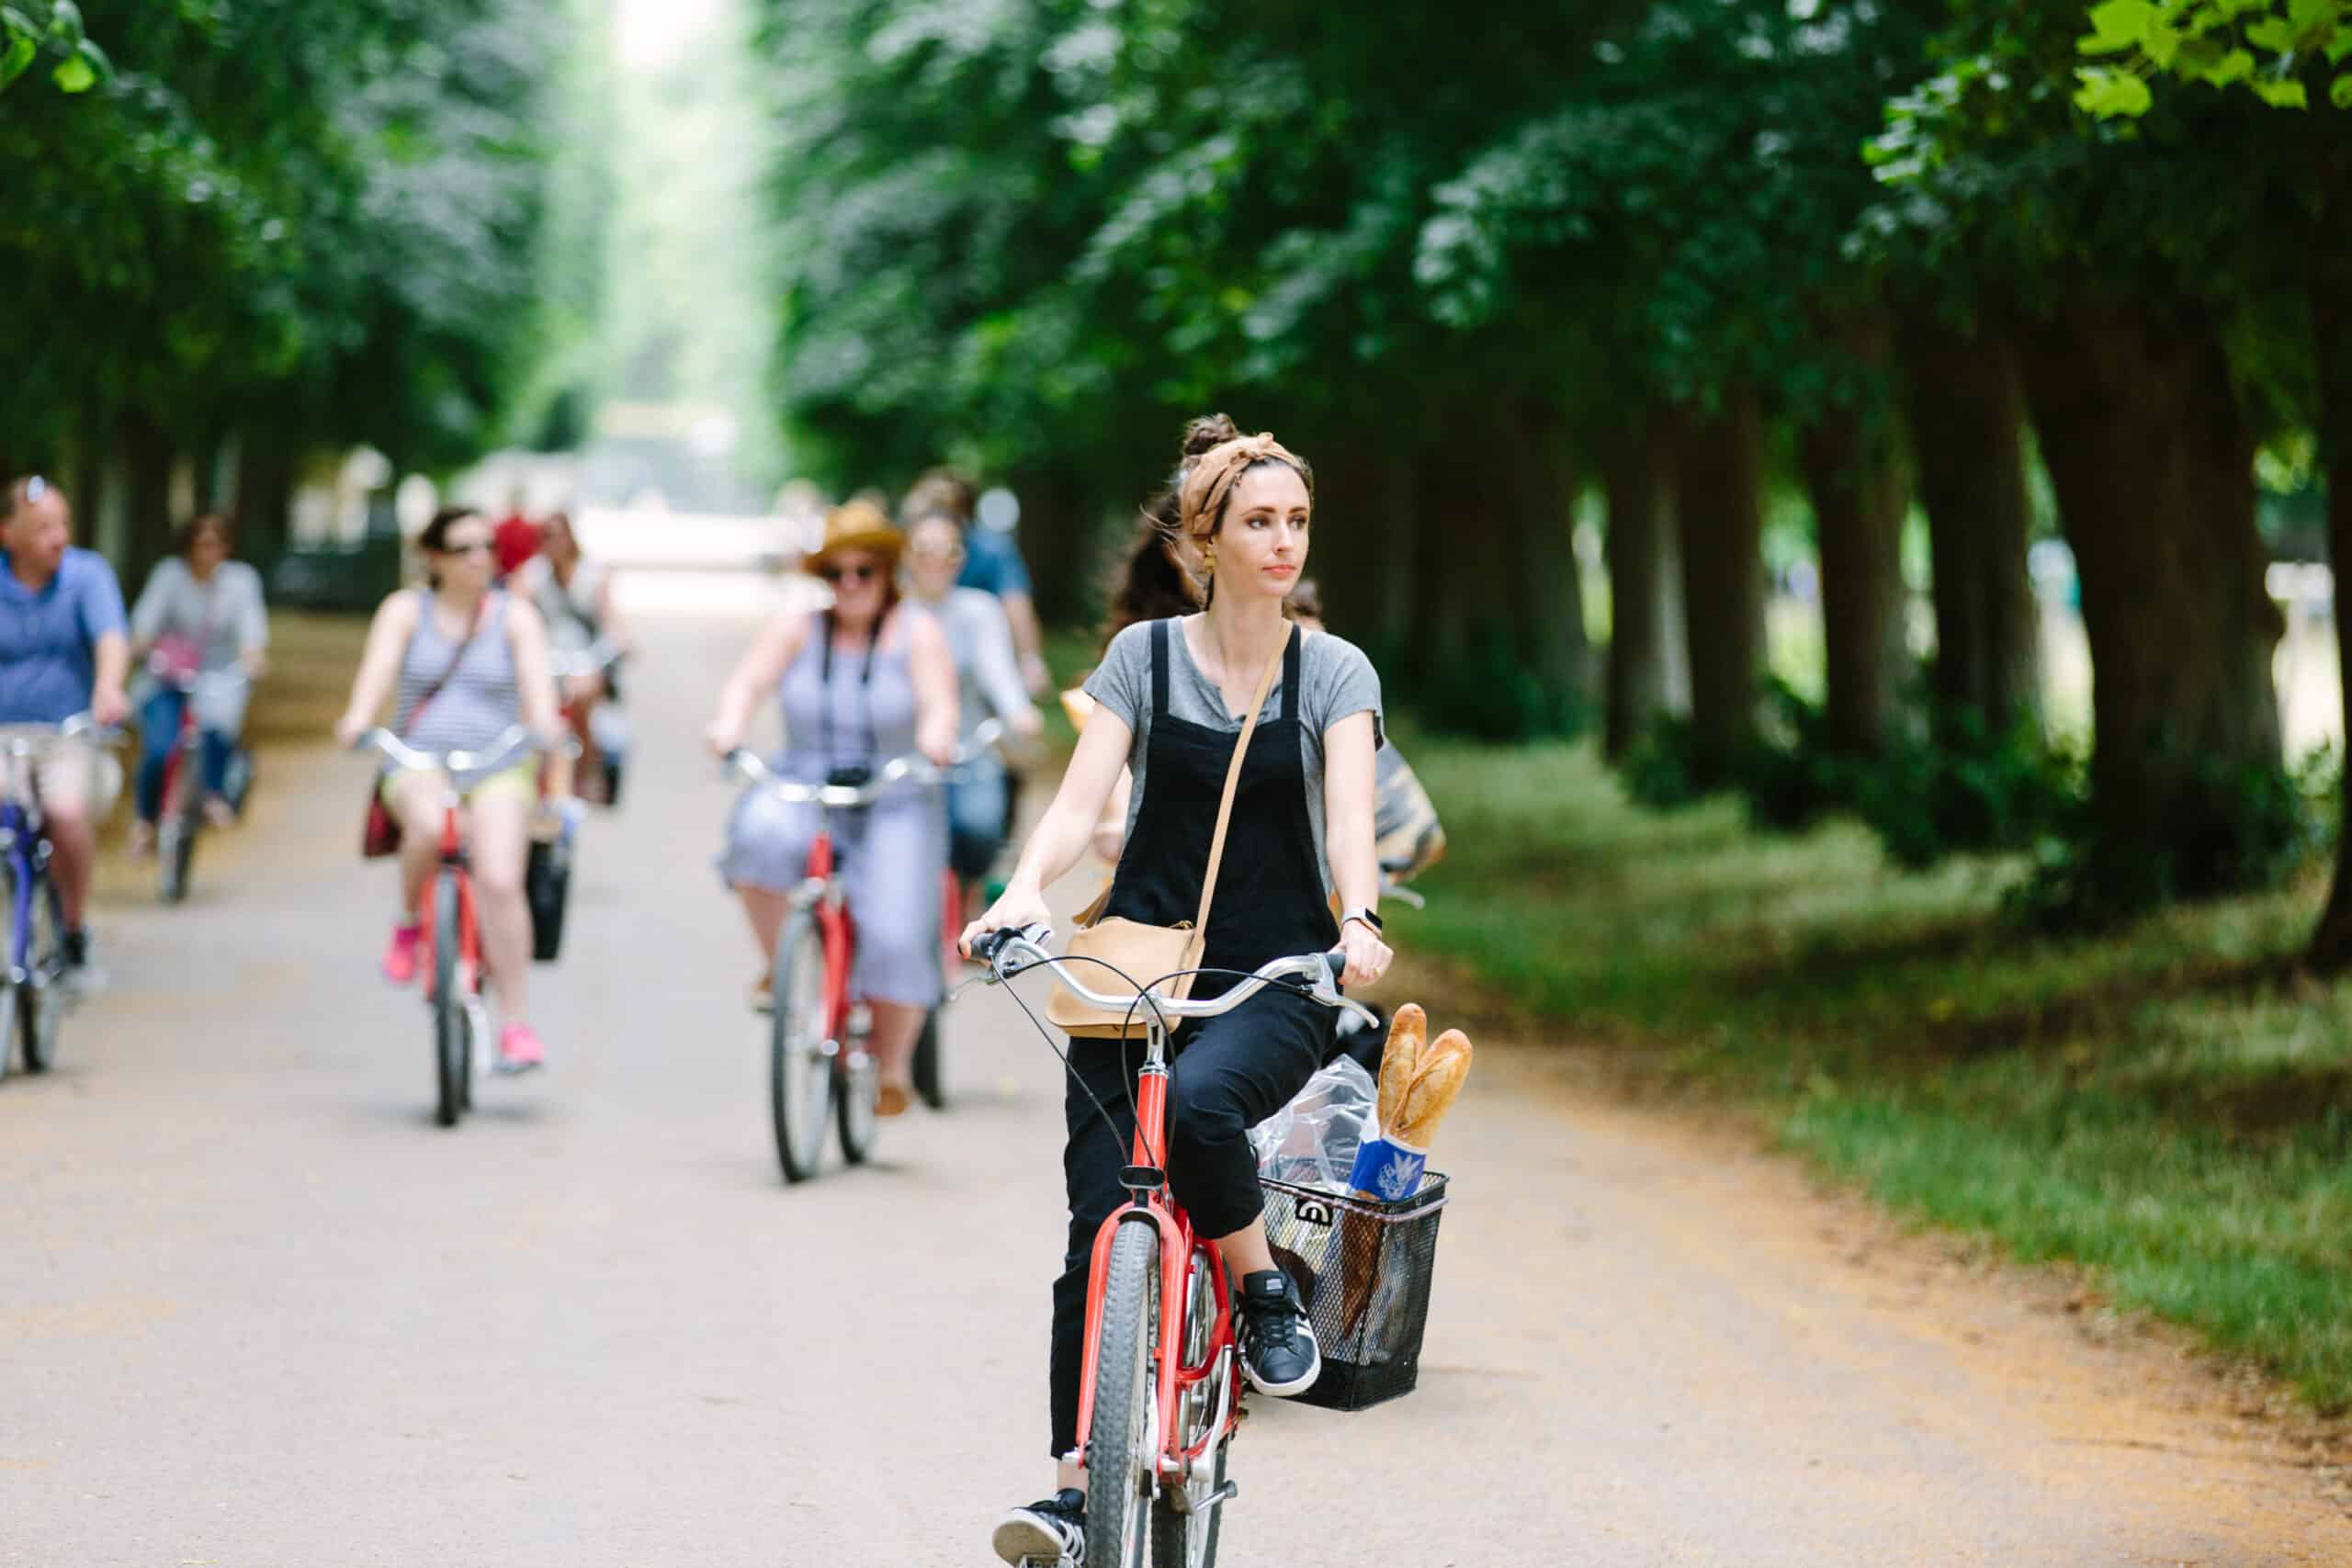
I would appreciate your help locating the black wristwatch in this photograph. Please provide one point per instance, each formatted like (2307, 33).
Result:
(1368, 916)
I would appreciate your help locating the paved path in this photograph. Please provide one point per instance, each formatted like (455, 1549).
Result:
(254, 1309)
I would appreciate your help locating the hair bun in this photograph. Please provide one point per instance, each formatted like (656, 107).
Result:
(1208, 431)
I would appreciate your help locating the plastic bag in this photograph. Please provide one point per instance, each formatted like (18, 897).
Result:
(1312, 1141)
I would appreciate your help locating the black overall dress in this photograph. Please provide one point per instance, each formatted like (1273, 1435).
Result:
(1232, 1072)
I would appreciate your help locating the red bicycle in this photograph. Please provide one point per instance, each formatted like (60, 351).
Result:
(1160, 1395)
(817, 1063)
(451, 929)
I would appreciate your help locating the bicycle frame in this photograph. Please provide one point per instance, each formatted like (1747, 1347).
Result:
(836, 930)
(28, 852)
(1146, 1183)
(453, 859)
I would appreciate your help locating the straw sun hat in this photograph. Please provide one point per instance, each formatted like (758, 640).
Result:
(857, 526)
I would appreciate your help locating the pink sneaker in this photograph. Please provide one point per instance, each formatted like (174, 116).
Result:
(519, 1049)
(400, 957)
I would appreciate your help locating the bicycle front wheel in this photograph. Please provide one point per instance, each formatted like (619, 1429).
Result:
(452, 1022)
(40, 1000)
(1119, 1457)
(926, 1065)
(176, 846)
(854, 1088)
(799, 1069)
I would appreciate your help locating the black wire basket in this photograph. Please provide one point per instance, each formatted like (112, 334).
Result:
(1363, 1268)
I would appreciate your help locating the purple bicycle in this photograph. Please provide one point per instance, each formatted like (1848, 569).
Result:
(33, 993)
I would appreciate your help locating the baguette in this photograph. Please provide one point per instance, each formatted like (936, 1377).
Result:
(1077, 706)
(1429, 1095)
(1397, 1063)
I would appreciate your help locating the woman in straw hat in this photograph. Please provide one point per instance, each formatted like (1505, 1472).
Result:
(863, 682)
(1171, 698)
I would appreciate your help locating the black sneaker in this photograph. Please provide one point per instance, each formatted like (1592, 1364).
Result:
(77, 973)
(1051, 1534)
(1278, 1348)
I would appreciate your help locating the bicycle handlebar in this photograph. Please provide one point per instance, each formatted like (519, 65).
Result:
(1321, 972)
(503, 752)
(598, 658)
(898, 770)
(31, 739)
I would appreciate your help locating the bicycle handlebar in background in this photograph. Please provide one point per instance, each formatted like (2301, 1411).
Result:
(742, 759)
(507, 749)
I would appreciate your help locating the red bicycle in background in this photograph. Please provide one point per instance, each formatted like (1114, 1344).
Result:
(1160, 1395)
(819, 1066)
(451, 928)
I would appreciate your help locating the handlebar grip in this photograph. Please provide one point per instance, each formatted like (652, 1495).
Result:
(1337, 963)
(988, 944)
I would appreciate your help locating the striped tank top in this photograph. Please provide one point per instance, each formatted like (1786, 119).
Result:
(477, 704)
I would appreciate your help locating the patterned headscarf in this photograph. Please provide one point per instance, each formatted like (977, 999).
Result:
(1209, 479)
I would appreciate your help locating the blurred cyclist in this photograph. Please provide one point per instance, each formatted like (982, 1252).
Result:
(62, 651)
(988, 682)
(198, 623)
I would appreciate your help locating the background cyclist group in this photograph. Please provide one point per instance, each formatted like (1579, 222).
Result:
(929, 631)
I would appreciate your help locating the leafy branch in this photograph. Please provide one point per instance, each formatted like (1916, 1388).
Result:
(27, 36)
(2268, 48)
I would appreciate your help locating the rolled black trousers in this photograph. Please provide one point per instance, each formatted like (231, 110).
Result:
(1230, 1074)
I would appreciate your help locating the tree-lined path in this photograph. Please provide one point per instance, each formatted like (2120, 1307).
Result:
(254, 1309)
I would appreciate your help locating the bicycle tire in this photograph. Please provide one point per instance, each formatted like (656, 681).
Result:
(452, 1048)
(799, 1071)
(1118, 1473)
(926, 1065)
(40, 1001)
(175, 854)
(856, 1082)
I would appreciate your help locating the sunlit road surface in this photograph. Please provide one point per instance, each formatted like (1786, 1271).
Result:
(256, 1309)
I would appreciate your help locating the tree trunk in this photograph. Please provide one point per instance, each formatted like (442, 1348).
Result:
(1648, 675)
(1967, 417)
(2331, 298)
(1061, 545)
(1722, 528)
(2153, 462)
(1500, 591)
(1859, 498)
(147, 453)
(1543, 582)
(262, 501)
(1363, 547)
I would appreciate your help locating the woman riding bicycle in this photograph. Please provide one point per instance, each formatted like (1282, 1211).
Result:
(574, 596)
(1172, 696)
(198, 634)
(467, 662)
(988, 678)
(865, 681)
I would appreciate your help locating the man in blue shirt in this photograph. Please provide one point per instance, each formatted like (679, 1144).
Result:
(62, 651)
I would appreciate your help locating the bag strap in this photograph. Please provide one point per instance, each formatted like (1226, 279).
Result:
(481, 615)
(1233, 776)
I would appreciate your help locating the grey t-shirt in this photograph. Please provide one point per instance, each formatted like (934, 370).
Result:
(1336, 682)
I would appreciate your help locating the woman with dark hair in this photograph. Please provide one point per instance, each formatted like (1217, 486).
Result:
(863, 682)
(574, 595)
(198, 634)
(1173, 696)
(465, 662)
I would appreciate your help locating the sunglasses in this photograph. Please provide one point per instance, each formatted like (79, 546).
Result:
(471, 548)
(839, 574)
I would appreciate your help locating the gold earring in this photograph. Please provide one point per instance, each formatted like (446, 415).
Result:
(1208, 559)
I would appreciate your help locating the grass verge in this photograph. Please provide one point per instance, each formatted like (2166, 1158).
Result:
(2169, 1105)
